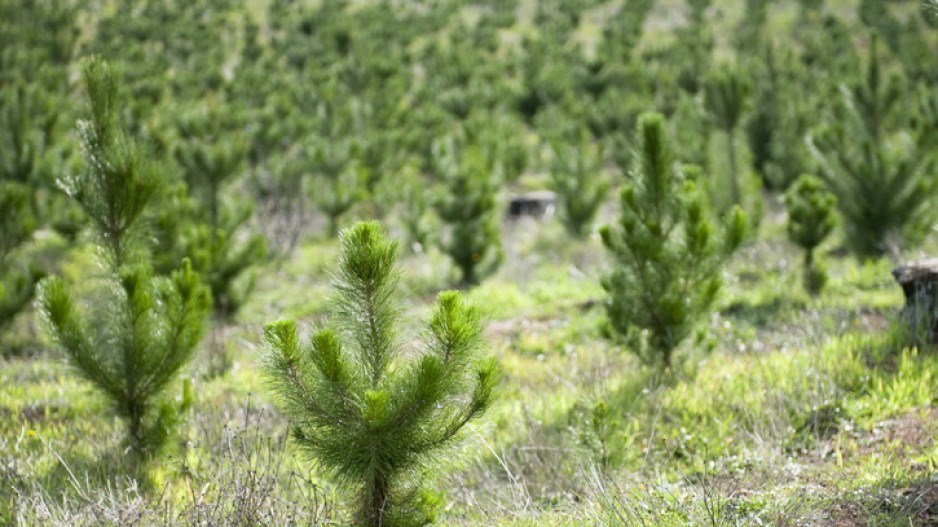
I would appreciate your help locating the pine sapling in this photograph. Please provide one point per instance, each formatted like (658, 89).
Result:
(726, 96)
(878, 163)
(339, 179)
(17, 224)
(212, 235)
(143, 328)
(375, 417)
(467, 204)
(579, 184)
(667, 256)
(810, 220)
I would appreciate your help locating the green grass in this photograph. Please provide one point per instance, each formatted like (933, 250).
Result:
(796, 393)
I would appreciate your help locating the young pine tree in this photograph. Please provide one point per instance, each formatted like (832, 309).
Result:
(339, 179)
(878, 164)
(726, 96)
(212, 235)
(143, 328)
(373, 416)
(810, 220)
(16, 228)
(467, 204)
(579, 184)
(667, 257)
(779, 119)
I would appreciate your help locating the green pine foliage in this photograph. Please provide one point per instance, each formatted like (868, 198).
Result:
(878, 162)
(467, 205)
(212, 230)
(726, 97)
(419, 225)
(579, 184)
(339, 179)
(750, 33)
(667, 253)
(811, 210)
(17, 224)
(141, 329)
(374, 417)
(906, 39)
(779, 119)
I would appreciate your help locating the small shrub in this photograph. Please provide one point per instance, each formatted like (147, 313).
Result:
(213, 237)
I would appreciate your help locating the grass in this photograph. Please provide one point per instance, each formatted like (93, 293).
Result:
(797, 395)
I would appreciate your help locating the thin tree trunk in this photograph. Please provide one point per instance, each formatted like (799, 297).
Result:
(734, 181)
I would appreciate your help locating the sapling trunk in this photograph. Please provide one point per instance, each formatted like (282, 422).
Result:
(731, 156)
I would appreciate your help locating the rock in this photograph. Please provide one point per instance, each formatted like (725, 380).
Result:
(535, 204)
(919, 281)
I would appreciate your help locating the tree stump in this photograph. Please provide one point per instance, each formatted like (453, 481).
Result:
(919, 281)
(535, 204)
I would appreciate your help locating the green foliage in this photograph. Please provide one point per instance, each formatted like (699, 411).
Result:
(579, 184)
(16, 228)
(751, 30)
(779, 120)
(207, 223)
(339, 180)
(878, 162)
(906, 40)
(378, 422)
(668, 257)
(415, 211)
(467, 204)
(810, 220)
(726, 97)
(143, 328)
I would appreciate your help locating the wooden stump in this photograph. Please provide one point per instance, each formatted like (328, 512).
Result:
(919, 281)
(535, 204)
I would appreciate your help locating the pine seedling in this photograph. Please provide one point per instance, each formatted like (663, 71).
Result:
(16, 228)
(667, 255)
(374, 417)
(467, 204)
(211, 157)
(579, 184)
(776, 127)
(878, 164)
(726, 96)
(339, 179)
(751, 29)
(143, 328)
(810, 221)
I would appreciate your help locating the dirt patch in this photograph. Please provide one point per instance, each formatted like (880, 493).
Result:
(915, 505)
(908, 433)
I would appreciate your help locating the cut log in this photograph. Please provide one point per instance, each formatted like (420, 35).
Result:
(534, 204)
(919, 281)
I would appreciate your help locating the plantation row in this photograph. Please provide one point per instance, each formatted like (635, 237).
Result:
(207, 130)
